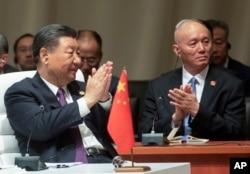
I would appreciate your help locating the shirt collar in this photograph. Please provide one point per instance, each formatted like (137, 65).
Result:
(199, 77)
(226, 63)
(54, 88)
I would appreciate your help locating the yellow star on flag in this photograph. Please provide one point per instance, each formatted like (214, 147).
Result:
(121, 87)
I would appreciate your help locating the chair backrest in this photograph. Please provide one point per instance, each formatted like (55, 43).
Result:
(137, 90)
(247, 122)
(8, 143)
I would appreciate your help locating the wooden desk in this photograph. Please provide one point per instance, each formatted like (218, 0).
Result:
(212, 157)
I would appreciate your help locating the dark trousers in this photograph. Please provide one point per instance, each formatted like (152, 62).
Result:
(99, 159)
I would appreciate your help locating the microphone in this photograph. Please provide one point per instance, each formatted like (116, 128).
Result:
(153, 138)
(153, 126)
(31, 163)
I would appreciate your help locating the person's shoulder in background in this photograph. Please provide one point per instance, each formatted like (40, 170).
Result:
(8, 68)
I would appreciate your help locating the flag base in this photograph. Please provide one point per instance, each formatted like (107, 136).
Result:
(133, 169)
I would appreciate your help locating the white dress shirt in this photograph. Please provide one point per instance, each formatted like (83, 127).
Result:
(186, 77)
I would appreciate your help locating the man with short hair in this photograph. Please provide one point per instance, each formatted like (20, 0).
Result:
(90, 44)
(212, 108)
(220, 56)
(23, 57)
(56, 104)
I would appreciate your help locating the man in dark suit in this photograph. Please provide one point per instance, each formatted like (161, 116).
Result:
(4, 56)
(90, 44)
(34, 104)
(220, 56)
(213, 109)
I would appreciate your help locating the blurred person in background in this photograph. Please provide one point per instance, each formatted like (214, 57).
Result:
(90, 45)
(220, 55)
(4, 56)
(23, 57)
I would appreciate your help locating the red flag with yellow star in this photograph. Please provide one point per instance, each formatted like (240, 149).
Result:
(120, 125)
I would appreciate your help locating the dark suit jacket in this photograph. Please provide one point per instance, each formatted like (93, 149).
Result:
(221, 113)
(8, 68)
(242, 71)
(113, 85)
(51, 139)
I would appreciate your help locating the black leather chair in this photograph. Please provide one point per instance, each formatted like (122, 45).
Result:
(247, 122)
(137, 90)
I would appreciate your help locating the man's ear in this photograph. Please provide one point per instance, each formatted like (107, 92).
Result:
(43, 55)
(5, 57)
(176, 50)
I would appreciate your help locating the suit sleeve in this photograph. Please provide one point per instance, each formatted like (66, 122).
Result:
(157, 110)
(23, 107)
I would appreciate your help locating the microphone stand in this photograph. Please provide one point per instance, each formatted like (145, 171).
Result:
(132, 168)
(153, 138)
(31, 163)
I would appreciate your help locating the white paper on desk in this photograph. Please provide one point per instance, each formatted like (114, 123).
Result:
(190, 140)
(62, 165)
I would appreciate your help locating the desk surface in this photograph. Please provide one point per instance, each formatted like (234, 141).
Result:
(212, 157)
(212, 147)
(159, 168)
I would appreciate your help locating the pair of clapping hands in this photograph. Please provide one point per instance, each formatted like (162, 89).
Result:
(97, 88)
(185, 102)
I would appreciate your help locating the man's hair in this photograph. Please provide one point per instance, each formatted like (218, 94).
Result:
(4, 46)
(48, 37)
(202, 22)
(219, 24)
(20, 38)
(90, 33)
(17, 41)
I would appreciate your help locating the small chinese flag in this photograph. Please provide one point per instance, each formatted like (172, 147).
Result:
(120, 125)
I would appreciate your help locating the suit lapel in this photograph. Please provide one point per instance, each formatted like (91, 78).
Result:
(177, 80)
(210, 86)
(76, 90)
(45, 91)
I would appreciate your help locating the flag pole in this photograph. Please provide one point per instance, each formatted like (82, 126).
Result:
(133, 168)
(132, 156)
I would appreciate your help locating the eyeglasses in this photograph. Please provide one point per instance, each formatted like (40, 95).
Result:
(89, 60)
(24, 49)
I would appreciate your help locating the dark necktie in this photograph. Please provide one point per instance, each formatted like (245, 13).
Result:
(80, 155)
(187, 129)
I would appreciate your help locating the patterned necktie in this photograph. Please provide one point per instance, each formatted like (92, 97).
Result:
(60, 95)
(187, 129)
(80, 155)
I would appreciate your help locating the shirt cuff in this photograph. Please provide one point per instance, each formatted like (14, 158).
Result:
(83, 108)
(106, 104)
(175, 125)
